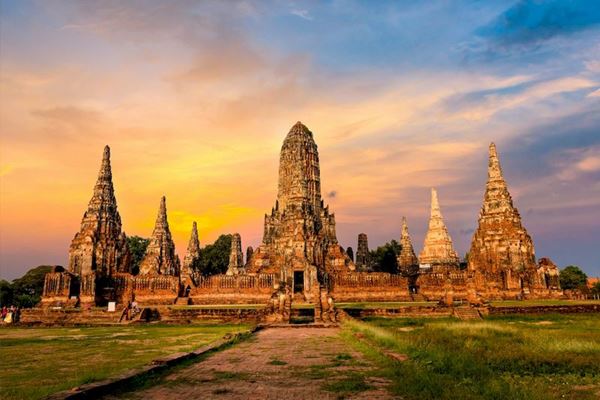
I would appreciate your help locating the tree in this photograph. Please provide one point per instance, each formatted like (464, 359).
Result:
(596, 288)
(137, 248)
(25, 291)
(214, 258)
(385, 257)
(350, 253)
(6, 293)
(572, 277)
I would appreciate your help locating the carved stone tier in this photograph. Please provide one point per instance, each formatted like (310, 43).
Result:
(501, 250)
(100, 246)
(363, 257)
(407, 260)
(437, 248)
(236, 257)
(191, 256)
(160, 257)
(299, 234)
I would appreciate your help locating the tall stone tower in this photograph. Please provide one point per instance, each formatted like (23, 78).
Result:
(437, 248)
(363, 257)
(160, 257)
(100, 246)
(236, 257)
(300, 232)
(407, 260)
(501, 250)
(192, 254)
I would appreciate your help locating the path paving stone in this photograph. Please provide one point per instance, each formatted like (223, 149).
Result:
(282, 363)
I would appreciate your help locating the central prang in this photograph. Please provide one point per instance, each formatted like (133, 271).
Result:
(299, 234)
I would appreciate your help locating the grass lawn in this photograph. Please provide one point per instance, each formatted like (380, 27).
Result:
(220, 306)
(385, 305)
(36, 362)
(511, 357)
(531, 303)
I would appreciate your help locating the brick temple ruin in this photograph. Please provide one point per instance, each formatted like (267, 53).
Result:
(300, 258)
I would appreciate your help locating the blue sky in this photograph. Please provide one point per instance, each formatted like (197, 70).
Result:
(196, 97)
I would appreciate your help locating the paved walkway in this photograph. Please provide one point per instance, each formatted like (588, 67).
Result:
(277, 363)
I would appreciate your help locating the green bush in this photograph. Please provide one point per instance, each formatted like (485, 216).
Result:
(572, 277)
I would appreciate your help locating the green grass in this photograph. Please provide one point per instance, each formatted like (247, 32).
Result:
(515, 357)
(40, 361)
(277, 362)
(533, 303)
(302, 306)
(219, 306)
(385, 305)
(349, 384)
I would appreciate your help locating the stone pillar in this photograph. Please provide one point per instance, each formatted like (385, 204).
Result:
(236, 257)
(363, 257)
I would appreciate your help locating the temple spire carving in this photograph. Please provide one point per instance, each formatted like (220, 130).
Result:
(437, 248)
(192, 254)
(100, 246)
(407, 259)
(363, 256)
(236, 257)
(501, 247)
(160, 257)
(299, 232)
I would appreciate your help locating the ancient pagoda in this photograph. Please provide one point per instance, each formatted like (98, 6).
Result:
(299, 240)
(191, 256)
(407, 260)
(160, 257)
(501, 250)
(363, 260)
(236, 257)
(438, 250)
(100, 247)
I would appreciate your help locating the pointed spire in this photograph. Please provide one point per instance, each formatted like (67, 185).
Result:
(192, 254)
(437, 248)
(194, 243)
(236, 257)
(497, 199)
(500, 243)
(162, 211)
(160, 257)
(363, 256)
(107, 251)
(105, 167)
(494, 169)
(103, 190)
(407, 258)
(435, 205)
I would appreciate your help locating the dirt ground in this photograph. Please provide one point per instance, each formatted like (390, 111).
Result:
(278, 363)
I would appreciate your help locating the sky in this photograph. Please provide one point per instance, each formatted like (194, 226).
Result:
(195, 99)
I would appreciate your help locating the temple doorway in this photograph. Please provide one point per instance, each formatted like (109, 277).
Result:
(298, 281)
(74, 287)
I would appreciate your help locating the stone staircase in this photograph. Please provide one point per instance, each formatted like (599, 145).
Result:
(302, 315)
(466, 313)
(182, 301)
(417, 297)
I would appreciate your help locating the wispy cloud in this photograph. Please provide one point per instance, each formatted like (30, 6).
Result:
(530, 22)
(302, 13)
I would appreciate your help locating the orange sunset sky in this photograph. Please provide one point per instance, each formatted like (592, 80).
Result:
(195, 100)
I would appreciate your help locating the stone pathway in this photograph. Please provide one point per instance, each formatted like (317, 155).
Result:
(277, 363)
